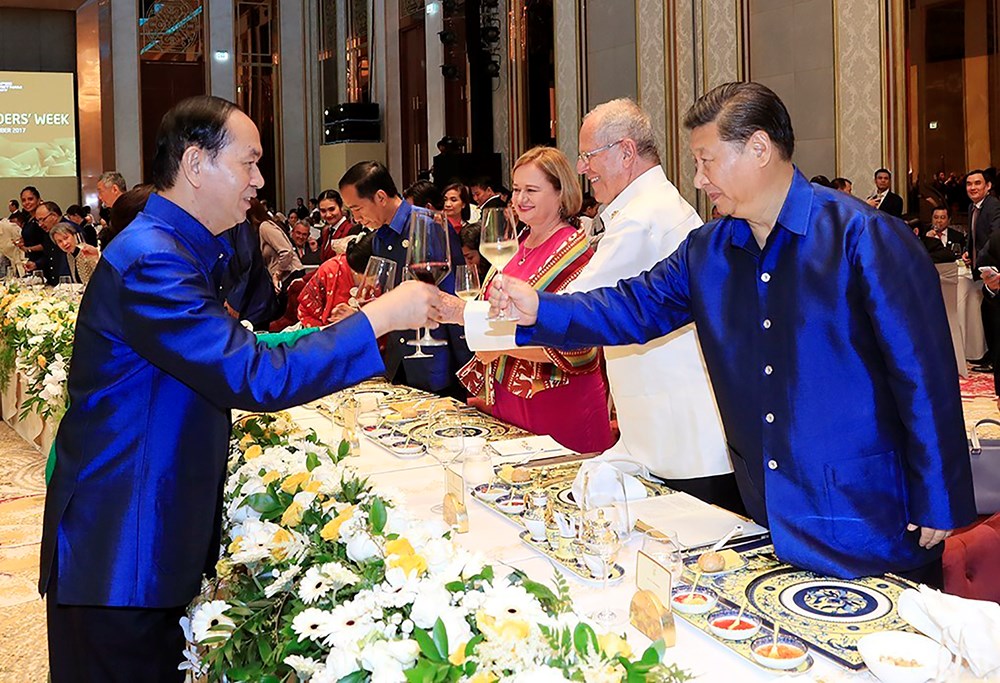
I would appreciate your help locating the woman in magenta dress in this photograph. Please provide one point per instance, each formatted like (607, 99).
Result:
(546, 391)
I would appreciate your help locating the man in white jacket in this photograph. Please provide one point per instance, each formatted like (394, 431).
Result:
(666, 407)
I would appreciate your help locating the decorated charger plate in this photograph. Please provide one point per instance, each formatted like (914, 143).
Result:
(578, 568)
(829, 614)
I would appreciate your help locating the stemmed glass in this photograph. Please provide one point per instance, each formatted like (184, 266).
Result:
(498, 244)
(428, 259)
(467, 286)
(604, 542)
(447, 443)
(379, 278)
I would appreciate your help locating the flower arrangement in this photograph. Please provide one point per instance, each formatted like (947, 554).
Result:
(326, 578)
(36, 339)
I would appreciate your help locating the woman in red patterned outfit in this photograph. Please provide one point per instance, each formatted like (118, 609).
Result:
(547, 391)
(326, 298)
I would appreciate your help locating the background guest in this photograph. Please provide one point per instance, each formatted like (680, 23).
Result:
(883, 198)
(325, 297)
(126, 208)
(305, 246)
(77, 215)
(547, 391)
(943, 242)
(276, 248)
(843, 184)
(426, 195)
(10, 235)
(456, 205)
(13, 207)
(484, 195)
(469, 237)
(48, 215)
(337, 231)
(33, 237)
(81, 260)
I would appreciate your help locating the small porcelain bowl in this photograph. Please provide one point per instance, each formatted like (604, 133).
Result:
(511, 505)
(490, 492)
(901, 657)
(702, 600)
(721, 620)
(790, 653)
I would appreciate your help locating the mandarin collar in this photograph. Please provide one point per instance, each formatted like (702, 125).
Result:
(207, 248)
(793, 217)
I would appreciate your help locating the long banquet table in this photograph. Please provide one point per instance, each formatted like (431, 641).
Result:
(421, 480)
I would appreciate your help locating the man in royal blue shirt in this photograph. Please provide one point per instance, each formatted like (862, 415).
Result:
(826, 340)
(133, 511)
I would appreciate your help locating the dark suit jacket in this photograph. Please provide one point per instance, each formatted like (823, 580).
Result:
(987, 223)
(892, 204)
(938, 251)
(494, 202)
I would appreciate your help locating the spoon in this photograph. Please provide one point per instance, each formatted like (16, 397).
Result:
(773, 652)
(738, 529)
(739, 616)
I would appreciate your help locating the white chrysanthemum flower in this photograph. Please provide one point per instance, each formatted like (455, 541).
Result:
(313, 624)
(282, 581)
(255, 541)
(207, 619)
(314, 585)
(387, 659)
(350, 624)
(538, 674)
(507, 601)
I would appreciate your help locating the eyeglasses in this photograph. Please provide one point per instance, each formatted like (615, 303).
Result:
(586, 156)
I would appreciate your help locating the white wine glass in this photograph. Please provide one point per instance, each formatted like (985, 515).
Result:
(498, 244)
(428, 259)
(467, 285)
(446, 444)
(604, 544)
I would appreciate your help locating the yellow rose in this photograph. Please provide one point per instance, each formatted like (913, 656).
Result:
(245, 442)
(312, 486)
(399, 546)
(457, 658)
(292, 483)
(483, 677)
(409, 563)
(613, 645)
(254, 451)
(271, 476)
(42, 362)
(506, 630)
(331, 530)
(281, 536)
(292, 515)
(234, 547)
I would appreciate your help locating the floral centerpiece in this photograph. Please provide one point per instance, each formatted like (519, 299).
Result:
(327, 578)
(36, 339)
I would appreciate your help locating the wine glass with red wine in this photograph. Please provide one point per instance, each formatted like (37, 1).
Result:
(428, 259)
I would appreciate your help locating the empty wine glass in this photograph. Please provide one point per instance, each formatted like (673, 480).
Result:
(467, 286)
(428, 259)
(447, 443)
(498, 244)
(664, 548)
(379, 278)
(604, 543)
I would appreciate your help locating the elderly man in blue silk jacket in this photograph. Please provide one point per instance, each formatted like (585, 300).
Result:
(831, 363)
(132, 516)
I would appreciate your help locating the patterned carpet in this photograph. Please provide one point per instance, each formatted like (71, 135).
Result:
(977, 385)
(23, 652)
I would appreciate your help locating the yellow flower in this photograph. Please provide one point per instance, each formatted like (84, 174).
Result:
(331, 531)
(457, 658)
(42, 362)
(292, 483)
(409, 563)
(613, 645)
(281, 537)
(245, 442)
(399, 546)
(223, 568)
(253, 452)
(505, 630)
(312, 486)
(271, 476)
(292, 515)
(483, 677)
(234, 547)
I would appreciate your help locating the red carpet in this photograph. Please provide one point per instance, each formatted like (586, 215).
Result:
(978, 385)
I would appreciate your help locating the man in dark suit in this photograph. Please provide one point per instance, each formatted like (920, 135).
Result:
(484, 195)
(942, 241)
(984, 220)
(370, 194)
(883, 198)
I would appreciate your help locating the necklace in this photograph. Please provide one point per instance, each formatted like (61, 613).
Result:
(525, 253)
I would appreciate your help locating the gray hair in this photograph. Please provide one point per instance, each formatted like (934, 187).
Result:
(623, 118)
(62, 228)
(113, 178)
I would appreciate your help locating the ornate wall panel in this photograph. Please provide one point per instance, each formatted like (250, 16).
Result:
(681, 25)
(502, 101)
(650, 71)
(567, 48)
(860, 87)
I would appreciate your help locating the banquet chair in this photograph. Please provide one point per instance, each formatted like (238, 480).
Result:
(290, 316)
(971, 559)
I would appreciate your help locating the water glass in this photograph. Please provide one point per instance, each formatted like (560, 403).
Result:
(664, 548)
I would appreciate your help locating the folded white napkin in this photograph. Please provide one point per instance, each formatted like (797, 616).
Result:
(970, 629)
(610, 481)
(542, 446)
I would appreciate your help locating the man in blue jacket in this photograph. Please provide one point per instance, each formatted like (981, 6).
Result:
(133, 512)
(826, 340)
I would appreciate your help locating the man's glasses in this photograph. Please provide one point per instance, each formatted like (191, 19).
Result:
(586, 156)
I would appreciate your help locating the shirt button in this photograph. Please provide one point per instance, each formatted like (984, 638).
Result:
(220, 255)
(769, 418)
(402, 340)
(766, 277)
(767, 323)
(768, 369)
(389, 247)
(772, 464)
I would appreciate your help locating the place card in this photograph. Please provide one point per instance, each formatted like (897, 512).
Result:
(455, 513)
(652, 619)
(652, 576)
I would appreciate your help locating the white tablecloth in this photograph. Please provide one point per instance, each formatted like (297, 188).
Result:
(970, 317)
(32, 428)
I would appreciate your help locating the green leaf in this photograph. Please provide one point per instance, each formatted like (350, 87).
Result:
(263, 502)
(584, 639)
(343, 449)
(654, 653)
(377, 515)
(441, 638)
(312, 461)
(470, 646)
(427, 646)
(264, 649)
(356, 677)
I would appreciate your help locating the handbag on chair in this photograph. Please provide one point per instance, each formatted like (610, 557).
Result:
(985, 457)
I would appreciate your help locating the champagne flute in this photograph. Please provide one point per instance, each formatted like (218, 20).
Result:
(467, 286)
(604, 543)
(498, 244)
(379, 278)
(447, 443)
(428, 259)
